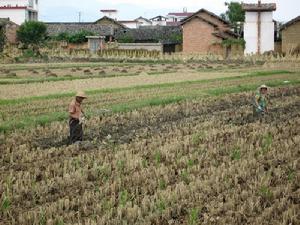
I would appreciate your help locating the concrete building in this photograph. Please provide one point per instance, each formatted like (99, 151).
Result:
(175, 18)
(143, 21)
(19, 11)
(159, 21)
(203, 32)
(259, 27)
(291, 36)
(133, 24)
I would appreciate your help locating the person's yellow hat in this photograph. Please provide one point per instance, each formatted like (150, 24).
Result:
(81, 94)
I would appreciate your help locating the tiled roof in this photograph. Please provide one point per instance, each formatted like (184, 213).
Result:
(57, 28)
(225, 34)
(111, 20)
(5, 21)
(259, 7)
(291, 22)
(164, 34)
(205, 11)
(158, 17)
(127, 21)
(142, 18)
(200, 18)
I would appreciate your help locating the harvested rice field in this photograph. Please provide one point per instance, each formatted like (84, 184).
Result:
(174, 145)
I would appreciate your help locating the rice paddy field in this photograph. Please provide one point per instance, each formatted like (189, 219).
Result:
(164, 143)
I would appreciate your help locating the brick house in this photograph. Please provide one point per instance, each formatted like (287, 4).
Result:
(10, 30)
(291, 35)
(203, 32)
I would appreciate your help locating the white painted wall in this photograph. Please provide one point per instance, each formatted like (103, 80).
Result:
(267, 36)
(17, 16)
(145, 46)
(159, 23)
(143, 22)
(250, 36)
(33, 4)
(132, 25)
(251, 32)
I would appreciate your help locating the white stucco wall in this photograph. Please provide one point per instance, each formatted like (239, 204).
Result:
(33, 4)
(267, 36)
(159, 23)
(251, 32)
(145, 46)
(143, 22)
(132, 25)
(17, 16)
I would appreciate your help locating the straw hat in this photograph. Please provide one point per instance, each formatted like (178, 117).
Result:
(81, 94)
(263, 87)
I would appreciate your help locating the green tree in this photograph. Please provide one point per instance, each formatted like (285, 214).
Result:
(235, 15)
(32, 33)
(79, 37)
(2, 38)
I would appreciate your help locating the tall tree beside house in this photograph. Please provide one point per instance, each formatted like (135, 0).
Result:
(32, 34)
(235, 15)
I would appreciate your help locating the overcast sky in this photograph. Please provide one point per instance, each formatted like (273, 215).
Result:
(68, 10)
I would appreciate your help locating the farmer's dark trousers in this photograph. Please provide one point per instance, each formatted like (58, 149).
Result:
(76, 132)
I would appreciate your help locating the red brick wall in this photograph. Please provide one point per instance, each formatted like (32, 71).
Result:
(291, 37)
(198, 37)
(11, 33)
(214, 20)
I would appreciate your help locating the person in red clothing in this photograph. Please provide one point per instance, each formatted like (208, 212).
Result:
(76, 118)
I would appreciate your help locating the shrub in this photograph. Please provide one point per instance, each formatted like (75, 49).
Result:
(126, 38)
(76, 38)
(32, 33)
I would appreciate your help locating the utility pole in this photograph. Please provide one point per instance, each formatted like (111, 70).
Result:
(79, 17)
(259, 28)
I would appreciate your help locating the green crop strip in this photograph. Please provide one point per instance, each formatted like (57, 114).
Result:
(31, 121)
(140, 87)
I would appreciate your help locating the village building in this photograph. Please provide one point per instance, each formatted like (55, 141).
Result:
(291, 36)
(259, 27)
(107, 21)
(10, 30)
(203, 32)
(143, 21)
(159, 21)
(130, 23)
(103, 27)
(111, 13)
(19, 11)
(54, 29)
(175, 18)
(165, 38)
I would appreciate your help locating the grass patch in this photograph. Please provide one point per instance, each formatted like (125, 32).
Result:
(42, 120)
(215, 92)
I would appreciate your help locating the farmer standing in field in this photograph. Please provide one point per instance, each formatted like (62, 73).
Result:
(261, 101)
(76, 118)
